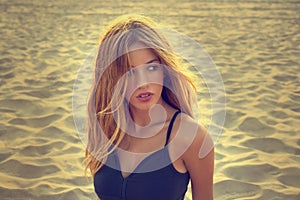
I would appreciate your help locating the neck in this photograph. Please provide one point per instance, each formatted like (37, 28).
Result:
(140, 117)
(143, 118)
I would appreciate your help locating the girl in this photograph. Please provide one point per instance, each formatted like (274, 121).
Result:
(143, 142)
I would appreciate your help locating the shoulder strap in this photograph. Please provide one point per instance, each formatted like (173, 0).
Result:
(171, 126)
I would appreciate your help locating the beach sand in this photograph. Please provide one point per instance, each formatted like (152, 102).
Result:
(256, 48)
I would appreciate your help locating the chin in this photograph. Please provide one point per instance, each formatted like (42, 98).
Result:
(144, 106)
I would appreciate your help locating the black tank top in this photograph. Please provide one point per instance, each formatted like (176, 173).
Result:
(165, 183)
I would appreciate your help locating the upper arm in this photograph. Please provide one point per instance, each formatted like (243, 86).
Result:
(199, 161)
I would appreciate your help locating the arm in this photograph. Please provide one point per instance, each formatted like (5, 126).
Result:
(201, 168)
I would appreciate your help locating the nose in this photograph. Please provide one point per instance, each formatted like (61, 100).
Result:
(140, 78)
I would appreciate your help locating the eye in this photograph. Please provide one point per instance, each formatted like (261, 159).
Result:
(152, 68)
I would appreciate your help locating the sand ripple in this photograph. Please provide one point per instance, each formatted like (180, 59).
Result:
(252, 173)
(255, 127)
(18, 169)
(241, 190)
(269, 145)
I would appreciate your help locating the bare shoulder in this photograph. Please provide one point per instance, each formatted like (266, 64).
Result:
(198, 157)
(191, 138)
(202, 141)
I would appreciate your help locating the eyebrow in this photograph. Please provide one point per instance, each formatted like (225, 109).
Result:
(152, 61)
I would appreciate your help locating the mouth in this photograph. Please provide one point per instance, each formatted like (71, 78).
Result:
(145, 96)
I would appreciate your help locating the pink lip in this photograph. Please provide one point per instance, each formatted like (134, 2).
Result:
(144, 97)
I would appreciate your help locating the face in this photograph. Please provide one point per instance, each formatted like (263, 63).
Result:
(145, 79)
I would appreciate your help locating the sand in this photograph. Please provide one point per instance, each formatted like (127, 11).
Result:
(255, 46)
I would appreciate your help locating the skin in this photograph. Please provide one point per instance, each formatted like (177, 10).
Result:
(188, 133)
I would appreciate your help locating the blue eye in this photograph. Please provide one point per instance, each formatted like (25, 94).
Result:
(152, 67)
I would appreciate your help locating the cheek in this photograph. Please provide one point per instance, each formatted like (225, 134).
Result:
(128, 94)
(129, 91)
(157, 88)
(157, 79)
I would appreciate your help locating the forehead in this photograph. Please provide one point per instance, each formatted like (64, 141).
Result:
(140, 54)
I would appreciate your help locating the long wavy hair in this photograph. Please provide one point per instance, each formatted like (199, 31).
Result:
(107, 104)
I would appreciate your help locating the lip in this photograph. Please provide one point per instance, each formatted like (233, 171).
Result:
(148, 96)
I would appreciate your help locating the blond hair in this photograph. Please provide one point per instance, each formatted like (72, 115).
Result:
(107, 98)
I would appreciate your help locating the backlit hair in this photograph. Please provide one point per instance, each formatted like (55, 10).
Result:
(107, 102)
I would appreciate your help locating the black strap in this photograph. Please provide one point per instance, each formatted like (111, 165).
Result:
(171, 126)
